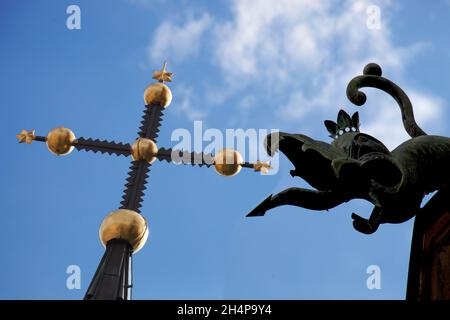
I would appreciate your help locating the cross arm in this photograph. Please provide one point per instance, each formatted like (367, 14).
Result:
(61, 140)
(185, 157)
(204, 159)
(103, 146)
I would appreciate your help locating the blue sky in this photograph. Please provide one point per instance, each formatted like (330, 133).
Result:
(238, 64)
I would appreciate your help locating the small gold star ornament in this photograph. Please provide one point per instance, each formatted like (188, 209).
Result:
(263, 167)
(26, 136)
(163, 75)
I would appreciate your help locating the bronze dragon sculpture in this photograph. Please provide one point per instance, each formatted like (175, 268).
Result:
(358, 166)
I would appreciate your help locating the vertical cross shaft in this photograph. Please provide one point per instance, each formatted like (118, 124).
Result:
(112, 280)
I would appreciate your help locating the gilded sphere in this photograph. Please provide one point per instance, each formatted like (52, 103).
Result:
(158, 93)
(59, 141)
(228, 162)
(124, 224)
(144, 149)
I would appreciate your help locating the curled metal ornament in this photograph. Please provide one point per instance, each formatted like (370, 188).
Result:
(372, 77)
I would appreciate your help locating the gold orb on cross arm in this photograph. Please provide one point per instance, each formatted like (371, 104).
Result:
(59, 141)
(227, 162)
(158, 93)
(127, 225)
(144, 149)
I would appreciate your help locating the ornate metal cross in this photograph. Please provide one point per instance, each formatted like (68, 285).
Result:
(124, 231)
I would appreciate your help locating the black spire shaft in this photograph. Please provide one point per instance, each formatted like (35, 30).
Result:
(113, 279)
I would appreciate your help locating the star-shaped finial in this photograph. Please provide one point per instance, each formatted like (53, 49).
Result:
(26, 136)
(163, 75)
(263, 167)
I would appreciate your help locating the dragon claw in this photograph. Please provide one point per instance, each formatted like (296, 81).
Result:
(261, 209)
(362, 225)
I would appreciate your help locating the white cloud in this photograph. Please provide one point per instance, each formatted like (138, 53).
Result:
(247, 102)
(178, 42)
(427, 108)
(386, 125)
(185, 102)
(296, 58)
(257, 39)
(305, 52)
